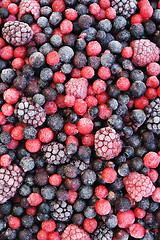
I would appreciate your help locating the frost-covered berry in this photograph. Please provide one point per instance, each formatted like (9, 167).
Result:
(29, 6)
(17, 33)
(74, 232)
(125, 8)
(138, 186)
(77, 87)
(107, 143)
(144, 52)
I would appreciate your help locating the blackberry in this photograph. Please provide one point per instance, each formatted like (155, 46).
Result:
(80, 164)
(30, 113)
(10, 180)
(55, 153)
(102, 233)
(61, 211)
(125, 8)
(153, 122)
(88, 177)
(17, 33)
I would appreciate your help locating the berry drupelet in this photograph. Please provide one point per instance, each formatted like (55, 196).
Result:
(61, 210)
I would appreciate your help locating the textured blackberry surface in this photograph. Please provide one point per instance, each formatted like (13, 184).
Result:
(153, 122)
(102, 233)
(144, 52)
(125, 8)
(80, 164)
(55, 153)
(17, 33)
(30, 113)
(29, 6)
(10, 180)
(61, 211)
(107, 143)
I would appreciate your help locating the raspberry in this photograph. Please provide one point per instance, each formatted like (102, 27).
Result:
(73, 232)
(107, 143)
(29, 6)
(136, 230)
(152, 82)
(30, 113)
(144, 52)
(124, 8)
(151, 160)
(77, 87)
(11, 178)
(138, 186)
(102, 207)
(17, 33)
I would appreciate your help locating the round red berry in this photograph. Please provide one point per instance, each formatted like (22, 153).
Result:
(59, 77)
(99, 86)
(140, 103)
(14, 222)
(70, 129)
(94, 8)
(34, 199)
(72, 139)
(48, 225)
(156, 195)
(104, 73)
(13, 8)
(69, 100)
(152, 82)
(33, 145)
(125, 219)
(104, 3)
(139, 213)
(11, 95)
(17, 133)
(88, 140)
(85, 126)
(55, 180)
(110, 13)
(72, 196)
(153, 175)
(137, 18)
(5, 160)
(71, 14)
(146, 11)
(7, 109)
(6, 52)
(80, 106)
(58, 6)
(109, 175)
(104, 111)
(127, 52)
(123, 84)
(93, 48)
(17, 63)
(101, 191)
(20, 52)
(2, 43)
(31, 211)
(87, 72)
(50, 107)
(66, 26)
(102, 207)
(54, 236)
(45, 135)
(90, 225)
(42, 235)
(151, 93)
(136, 230)
(151, 160)
(102, 98)
(52, 58)
(91, 101)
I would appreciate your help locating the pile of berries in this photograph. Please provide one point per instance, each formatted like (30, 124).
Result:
(79, 119)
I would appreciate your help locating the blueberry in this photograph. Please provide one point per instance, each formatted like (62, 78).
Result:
(29, 132)
(119, 22)
(7, 75)
(66, 54)
(89, 212)
(88, 177)
(66, 68)
(46, 11)
(46, 48)
(79, 205)
(137, 117)
(37, 60)
(105, 25)
(20, 82)
(48, 192)
(46, 74)
(85, 192)
(56, 40)
(27, 18)
(137, 75)
(137, 89)
(55, 122)
(27, 163)
(27, 221)
(55, 18)
(123, 204)
(84, 21)
(111, 221)
(137, 30)
(5, 137)
(115, 47)
(42, 22)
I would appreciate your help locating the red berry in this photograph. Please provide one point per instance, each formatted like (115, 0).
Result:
(55, 180)
(58, 6)
(66, 26)
(87, 72)
(137, 18)
(153, 175)
(34, 199)
(102, 207)
(110, 13)
(104, 111)
(139, 213)
(17, 63)
(102, 98)
(17, 133)
(6, 52)
(11, 95)
(72, 196)
(140, 103)
(104, 73)
(136, 230)
(13, 144)
(54, 236)
(70, 129)
(93, 48)
(8, 128)
(90, 225)
(146, 11)
(71, 14)
(7, 109)
(151, 160)
(33, 145)
(13, 8)
(2, 43)
(99, 86)
(156, 195)
(80, 106)
(85, 126)
(109, 175)
(153, 69)
(72, 231)
(31, 211)
(94, 8)
(48, 225)
(14, 222)
(125, 219)
(42, 235)
(72, 139)
(104, 3)
(101, 191)
(69, 100)
(91, 101)
(88, 140)
(151, 93)
(52, 58)
(20, 52)
(50, 108)
(45, 135)
(76, 73)
(59, 77)
(123, 84)
(127, 52)
(5, 160)
(152, 82)
(77, 87)
(158, 92)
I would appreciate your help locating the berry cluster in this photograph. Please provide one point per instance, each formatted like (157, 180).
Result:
(79, 119)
